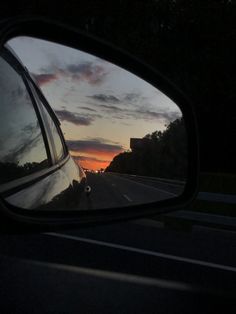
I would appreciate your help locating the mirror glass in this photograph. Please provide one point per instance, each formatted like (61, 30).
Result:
(126, 137)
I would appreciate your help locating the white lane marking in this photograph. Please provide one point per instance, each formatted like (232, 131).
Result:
(142, 251)
(125, 196)
(123, 277)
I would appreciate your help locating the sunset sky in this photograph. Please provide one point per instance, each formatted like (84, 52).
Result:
(100, 106)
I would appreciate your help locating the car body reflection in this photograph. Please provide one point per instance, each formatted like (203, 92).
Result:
(54, 192)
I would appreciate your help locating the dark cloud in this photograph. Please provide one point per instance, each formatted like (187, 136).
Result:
(130, 97)
(93, 145)
(89, 72)
(135, 112)
(73, 117)
(86, 158)
(152, 115)
(87, 108)
(43, 79)
(102, 140)
(112, 108)
(108, 101)
(105, 98)
(111, 99)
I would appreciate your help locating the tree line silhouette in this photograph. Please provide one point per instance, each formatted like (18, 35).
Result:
(12, 170)
(162, 154)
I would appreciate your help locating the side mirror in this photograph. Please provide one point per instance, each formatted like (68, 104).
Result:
(87, 116)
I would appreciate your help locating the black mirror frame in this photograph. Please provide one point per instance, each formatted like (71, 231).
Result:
(68, 36)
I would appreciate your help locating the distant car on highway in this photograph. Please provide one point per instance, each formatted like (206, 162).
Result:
(37, 171)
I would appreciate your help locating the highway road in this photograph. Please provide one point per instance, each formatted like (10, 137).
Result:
(111, 190)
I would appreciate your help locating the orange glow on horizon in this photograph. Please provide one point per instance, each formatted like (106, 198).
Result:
(106, 155)
(93, 165)
(101, 159)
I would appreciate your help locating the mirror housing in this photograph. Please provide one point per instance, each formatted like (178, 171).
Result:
(68, 36)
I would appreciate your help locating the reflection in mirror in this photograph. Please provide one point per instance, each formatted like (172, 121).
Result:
(22, 149)
(123, 133)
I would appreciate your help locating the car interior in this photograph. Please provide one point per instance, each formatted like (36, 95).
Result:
(117, 162)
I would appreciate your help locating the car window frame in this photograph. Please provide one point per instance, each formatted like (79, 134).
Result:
(18, 184)
(42, 101)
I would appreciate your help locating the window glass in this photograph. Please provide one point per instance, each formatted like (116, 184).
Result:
(59, 148)
(22, 149)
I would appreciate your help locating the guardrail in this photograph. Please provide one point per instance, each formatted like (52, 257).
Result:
(169, 181)
(175, 187)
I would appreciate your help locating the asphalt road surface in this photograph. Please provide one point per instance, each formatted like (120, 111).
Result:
(110, 190)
